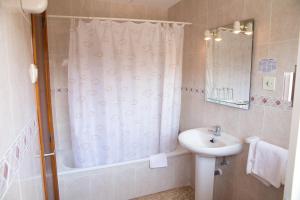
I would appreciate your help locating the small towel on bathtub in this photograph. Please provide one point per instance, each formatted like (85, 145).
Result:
(158, 160)
(267, 162)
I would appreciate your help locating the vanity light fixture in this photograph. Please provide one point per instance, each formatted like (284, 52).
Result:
(207, 35)
(244, 27)
(218, 36)
(236, 27)
(249, 29)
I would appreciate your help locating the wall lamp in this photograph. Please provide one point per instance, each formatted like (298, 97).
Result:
(238, 27)
(208, 35)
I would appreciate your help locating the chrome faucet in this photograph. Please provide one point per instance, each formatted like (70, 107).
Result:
(216, 131)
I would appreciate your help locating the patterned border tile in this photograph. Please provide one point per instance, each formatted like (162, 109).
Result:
(254, 99)
(271, 102)
(10, 163)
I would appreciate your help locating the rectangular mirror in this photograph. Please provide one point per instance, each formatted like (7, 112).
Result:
(228, 64)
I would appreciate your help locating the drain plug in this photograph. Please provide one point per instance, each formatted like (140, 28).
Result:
(218, 172)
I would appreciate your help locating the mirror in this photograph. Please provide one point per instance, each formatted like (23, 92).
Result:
(228, 64)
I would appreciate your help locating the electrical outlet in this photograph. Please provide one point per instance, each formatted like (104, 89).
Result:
(269, 83)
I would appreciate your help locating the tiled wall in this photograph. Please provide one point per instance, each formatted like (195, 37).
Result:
(20, 169)
(20, 176)
(126, 181)
(105, 8)
(277, 24)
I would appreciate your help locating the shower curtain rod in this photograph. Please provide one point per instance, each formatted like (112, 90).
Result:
(118, 19)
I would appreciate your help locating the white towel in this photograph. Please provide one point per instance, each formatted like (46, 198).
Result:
(251, 157)
(250, 162)
(267, 162)
(158, 160)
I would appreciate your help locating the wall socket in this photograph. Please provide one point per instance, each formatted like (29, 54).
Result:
(269, 83)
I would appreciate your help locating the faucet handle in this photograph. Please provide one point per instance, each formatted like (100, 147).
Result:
(218, 128)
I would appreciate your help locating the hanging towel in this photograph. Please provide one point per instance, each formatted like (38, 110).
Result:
(250, 163)
(158, 160)
(267, 162)
(251, 154)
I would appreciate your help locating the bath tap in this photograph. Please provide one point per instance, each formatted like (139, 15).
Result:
(216, 131)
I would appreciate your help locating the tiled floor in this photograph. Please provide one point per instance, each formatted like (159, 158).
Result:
(184, 193)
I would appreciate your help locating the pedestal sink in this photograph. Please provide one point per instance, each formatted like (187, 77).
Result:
(207, 147)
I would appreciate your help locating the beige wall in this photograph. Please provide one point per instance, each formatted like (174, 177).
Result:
(105, 8)
(277, 23)
(19, 166)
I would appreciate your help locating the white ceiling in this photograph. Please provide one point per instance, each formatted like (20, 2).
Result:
(155, 3)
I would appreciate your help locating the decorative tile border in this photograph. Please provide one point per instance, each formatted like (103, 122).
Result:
(10, 163)
(196, 91)
(270, 101)
(254, 99)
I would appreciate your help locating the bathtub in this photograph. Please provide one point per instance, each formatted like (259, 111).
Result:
(126, 180)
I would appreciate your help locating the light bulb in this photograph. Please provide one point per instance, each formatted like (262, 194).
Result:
(236, 27)
(218, 37)
(207, 35)
(249, 29)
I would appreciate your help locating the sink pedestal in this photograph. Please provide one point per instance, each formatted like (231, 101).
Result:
(206, 150)
(204, 180)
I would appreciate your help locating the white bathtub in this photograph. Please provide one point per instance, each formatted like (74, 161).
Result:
(126, 180)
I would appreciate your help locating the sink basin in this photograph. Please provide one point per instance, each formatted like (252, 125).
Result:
(198, 141)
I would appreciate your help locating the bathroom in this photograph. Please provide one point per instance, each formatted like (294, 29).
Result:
(101, 99)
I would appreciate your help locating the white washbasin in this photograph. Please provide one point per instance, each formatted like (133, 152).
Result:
(198, 141)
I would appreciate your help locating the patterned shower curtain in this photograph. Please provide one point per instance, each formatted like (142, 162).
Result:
(124, 83)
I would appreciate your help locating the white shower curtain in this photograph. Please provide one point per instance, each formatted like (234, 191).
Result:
(124, 84)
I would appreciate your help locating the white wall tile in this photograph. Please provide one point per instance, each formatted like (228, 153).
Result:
(75, 187)
(272, 19)
(126, 181)
(17, 104)
(13, 192)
